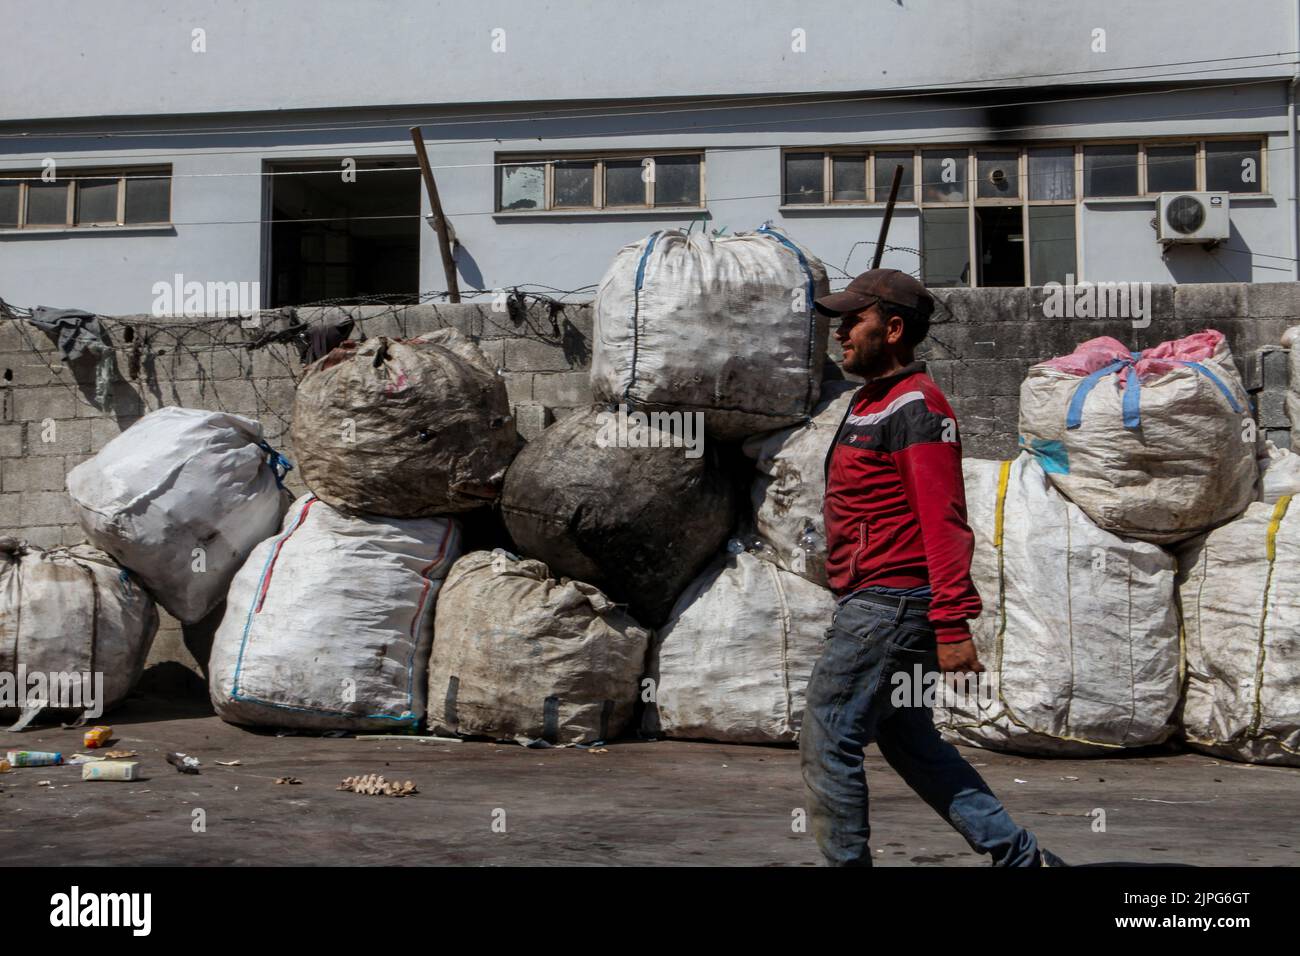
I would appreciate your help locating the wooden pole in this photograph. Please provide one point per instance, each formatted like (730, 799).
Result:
(889, 214)
(439, 222)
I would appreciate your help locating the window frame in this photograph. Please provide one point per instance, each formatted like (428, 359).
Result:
(1022, 148)
(69, 181)
(599, 200)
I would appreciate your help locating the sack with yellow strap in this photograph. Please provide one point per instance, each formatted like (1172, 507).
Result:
(1240, 592)
(1079, 632)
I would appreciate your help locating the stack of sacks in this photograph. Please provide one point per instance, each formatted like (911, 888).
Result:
(73, 612)
(636, 518)
(723, 326)
(1240, 595)
(180, 498)
(404, 428)
(734, 659)
(787, 496)
(1079, 631)
(1153, 445)
(329, 623)
(521, 655)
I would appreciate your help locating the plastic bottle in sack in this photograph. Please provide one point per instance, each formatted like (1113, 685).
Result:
(34, 758)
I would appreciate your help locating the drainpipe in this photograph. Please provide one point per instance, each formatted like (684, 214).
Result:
(1295, 161)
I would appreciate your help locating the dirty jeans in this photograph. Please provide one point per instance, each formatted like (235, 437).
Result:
(848, 706)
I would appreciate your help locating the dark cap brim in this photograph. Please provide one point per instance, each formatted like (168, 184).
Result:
(837, 303)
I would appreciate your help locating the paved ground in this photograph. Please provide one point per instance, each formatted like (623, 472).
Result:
(637, 803)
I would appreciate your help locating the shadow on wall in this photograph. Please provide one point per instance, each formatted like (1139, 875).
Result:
(1233, 261)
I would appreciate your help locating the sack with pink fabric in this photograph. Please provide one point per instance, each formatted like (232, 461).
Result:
(1156, 445)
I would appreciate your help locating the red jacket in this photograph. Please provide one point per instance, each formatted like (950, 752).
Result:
(895, 505)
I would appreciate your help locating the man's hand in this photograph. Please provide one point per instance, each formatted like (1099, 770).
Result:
(959, 656)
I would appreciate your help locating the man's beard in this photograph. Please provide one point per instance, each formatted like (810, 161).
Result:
(867, 366)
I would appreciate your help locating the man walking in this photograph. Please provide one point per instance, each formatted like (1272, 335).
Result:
(898, 558)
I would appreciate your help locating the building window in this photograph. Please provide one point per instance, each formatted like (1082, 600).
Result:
(1232, 166)
(86, 198)
(1007, 216)
(593, 182)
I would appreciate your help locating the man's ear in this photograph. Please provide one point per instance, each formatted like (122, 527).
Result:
(894, 330)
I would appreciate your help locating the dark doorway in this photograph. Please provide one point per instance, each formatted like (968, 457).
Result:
(1000, 245)
(348, 239)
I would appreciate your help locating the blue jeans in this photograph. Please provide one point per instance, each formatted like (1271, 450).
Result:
(849, 705)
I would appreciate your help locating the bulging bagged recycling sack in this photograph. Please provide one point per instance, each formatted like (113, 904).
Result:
(791, 485)
(1156, 445)
(180, 498)
(406, 428)
(622, 509)
(522, 655)
(1079, 632)
(724, 326)
(77, 619)
(328, 624)
(1240, 591)
(733, 662)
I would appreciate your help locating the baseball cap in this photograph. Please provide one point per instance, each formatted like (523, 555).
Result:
(878, 285)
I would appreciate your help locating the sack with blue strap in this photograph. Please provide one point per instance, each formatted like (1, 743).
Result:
(720, 326)
(1157, 445)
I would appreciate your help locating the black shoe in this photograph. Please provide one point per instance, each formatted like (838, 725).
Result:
(1048, 858)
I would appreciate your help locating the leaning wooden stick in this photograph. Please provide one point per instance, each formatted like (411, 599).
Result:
(889, 214)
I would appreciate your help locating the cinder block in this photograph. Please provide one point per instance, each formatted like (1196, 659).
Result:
(1266, 368)
(11, 440)
(531, 418)
(534, 355)
(1273, 300)
(979, 306)
(48, 437)
(1281, 437)
(44, 537)
(562, 389)
(35, 508)
(105, 428)
(32, 474)
(1209, 301)
(987, 378)
(1271, 408)
(52, 401)
(519, 386)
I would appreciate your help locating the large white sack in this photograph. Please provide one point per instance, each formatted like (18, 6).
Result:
(1188, 466)
(733, 662)
(329, 623)
(522, 655)
(787, 495)
(1240, 591)
(74, 615)
(1079, 632)
(180, 498)
(1279, 473)
(724, 326)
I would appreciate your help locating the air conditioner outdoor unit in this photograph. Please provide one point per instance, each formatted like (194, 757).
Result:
(1192, 217)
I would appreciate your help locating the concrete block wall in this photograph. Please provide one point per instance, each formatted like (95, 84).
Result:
(983, 341)
(50, 421)
(981, 345)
